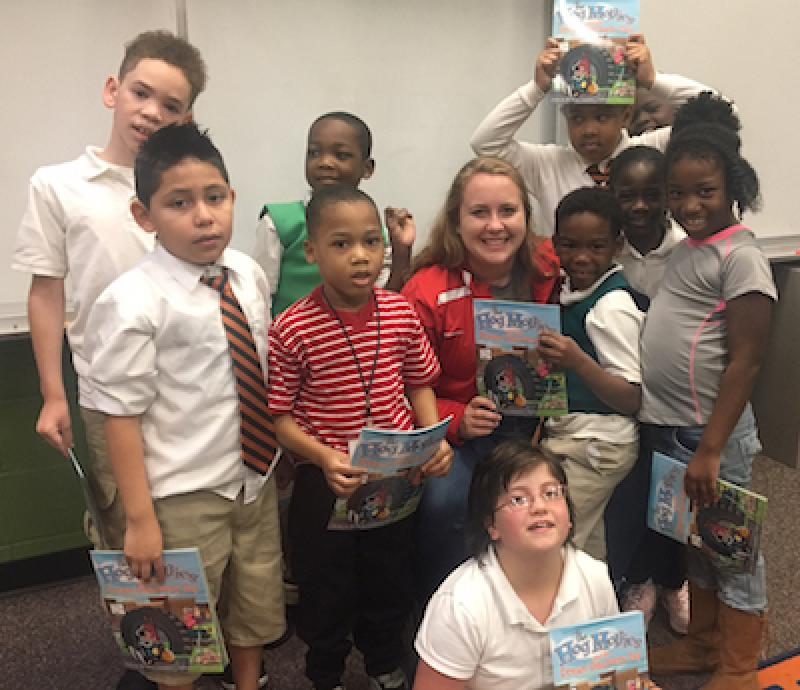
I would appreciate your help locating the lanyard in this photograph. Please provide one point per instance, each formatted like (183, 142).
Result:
(367, 388)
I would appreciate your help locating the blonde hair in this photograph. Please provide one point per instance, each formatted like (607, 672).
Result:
(445, 246)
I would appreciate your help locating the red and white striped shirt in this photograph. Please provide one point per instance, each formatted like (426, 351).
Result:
(314, 377)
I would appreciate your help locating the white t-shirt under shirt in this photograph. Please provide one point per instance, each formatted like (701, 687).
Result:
(477, 629)
(159, 351)
(684, 341)
(78, 225)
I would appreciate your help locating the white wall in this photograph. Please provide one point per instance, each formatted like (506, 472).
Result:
(422, 73)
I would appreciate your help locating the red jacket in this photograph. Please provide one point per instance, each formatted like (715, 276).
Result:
(443, 301)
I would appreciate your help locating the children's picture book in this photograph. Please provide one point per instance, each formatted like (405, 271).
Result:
(608, 653)
(509, 370)
(592, 38)
(162, 626)
(729, 530)
(393, 487)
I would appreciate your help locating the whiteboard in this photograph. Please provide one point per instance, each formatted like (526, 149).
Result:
(421, 73)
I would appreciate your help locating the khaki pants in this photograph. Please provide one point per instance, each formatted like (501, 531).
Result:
(111, 533)
(241, 551)
(593, 469)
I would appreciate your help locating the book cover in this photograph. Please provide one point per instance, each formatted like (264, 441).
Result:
(393, 487)
(509, 370)
(604, 653)
(592, 38)
(162, 626)
(729, 530)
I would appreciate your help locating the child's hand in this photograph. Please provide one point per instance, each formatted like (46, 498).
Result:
(638, 56)
(560, 350)
(701, 478)
(54, 425)
(480, 418)
(547, 64)
(144, 549)
(401, 226)
(341, 476)
(439, 464)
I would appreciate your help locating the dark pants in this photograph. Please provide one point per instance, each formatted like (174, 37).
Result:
(635, 552)
(355, 586)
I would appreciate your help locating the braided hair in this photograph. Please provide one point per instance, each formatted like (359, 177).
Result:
(707, 127)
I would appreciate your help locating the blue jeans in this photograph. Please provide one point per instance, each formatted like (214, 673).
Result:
(741, 591)
(441, 515)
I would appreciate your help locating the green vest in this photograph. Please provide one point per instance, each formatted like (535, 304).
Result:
(573, 324)
(298, 278)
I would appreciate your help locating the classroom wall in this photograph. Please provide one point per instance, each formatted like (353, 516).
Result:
(422, 73)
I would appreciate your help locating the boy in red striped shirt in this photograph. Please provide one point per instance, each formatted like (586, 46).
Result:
(347, 356)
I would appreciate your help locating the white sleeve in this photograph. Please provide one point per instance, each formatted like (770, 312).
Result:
(495, 135)
(41, 246)
(449, 639)
(121, 350)
(614, 325)
(268, 250)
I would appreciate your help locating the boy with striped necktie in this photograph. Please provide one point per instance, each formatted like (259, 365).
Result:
(178, 347)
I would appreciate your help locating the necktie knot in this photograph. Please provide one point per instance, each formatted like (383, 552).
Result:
(599, 177)
(217, 282)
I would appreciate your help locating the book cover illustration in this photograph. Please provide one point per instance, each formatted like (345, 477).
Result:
(592, 38)
(729, 530)
(393, 487)
(509, 370)
(162, 626)
(608, 653)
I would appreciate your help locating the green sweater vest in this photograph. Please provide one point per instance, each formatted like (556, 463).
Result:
(573, 324)
(298, 278)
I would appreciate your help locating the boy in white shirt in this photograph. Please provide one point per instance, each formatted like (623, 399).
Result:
(78, 227)
(178, 354)
(597, 133)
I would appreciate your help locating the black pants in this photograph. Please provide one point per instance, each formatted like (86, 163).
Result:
(355, 586)
(635, 552)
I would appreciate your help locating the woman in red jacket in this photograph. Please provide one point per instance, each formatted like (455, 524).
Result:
(481, 246)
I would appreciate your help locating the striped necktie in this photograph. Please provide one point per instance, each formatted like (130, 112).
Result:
(600, 177)
(258, 440)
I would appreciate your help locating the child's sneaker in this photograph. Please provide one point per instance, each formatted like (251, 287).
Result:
(676, 602)
(641, 598)
(226, 681)
(396, 680)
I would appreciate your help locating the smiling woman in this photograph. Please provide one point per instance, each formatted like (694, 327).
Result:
(478, 248)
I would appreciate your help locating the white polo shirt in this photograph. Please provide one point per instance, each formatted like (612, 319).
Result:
(477, 629)
(645, 272)
(159, 351)
(78, 225)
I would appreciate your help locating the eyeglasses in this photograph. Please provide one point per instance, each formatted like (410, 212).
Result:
(549, 493)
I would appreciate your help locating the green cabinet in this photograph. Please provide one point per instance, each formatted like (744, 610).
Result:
(41, 506)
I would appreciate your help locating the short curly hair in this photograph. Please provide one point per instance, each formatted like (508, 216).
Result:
(166, 46)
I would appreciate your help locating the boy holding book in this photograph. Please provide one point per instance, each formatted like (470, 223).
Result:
(178, 354)
(345, 357)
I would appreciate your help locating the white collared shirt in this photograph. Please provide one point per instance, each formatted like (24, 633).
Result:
(551, 171)
(78, 225)
(476, 628)
(159, 351)
(645, 272)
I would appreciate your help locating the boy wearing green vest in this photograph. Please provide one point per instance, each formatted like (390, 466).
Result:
(597, 441)
(338, 153)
